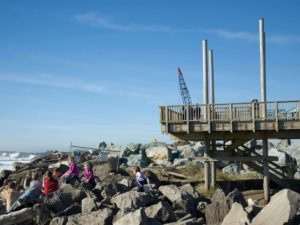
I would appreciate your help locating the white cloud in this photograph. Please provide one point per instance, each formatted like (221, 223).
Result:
(51, 81)
(101, 21)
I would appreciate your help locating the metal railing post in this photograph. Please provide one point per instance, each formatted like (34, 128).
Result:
(276, 116)
(230, 118)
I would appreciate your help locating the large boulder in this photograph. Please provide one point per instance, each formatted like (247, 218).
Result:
(118, 150)
(221, 204)
(88, 205)
(294, 151)
(186, 151)
(283, 144)
(99, 217)
(161, 211)
(233, 168)
(102, 169)
(64, 198)
(284, 159)
(282, 209)
(172, 192)
(182, 202)
(140, 160)
(131, 200)
(159, 153)
(138, 217)
(236, 216)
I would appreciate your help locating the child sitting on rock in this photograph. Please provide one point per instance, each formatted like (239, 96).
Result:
(50, 184)
(9, 194)
(88, 175)
(72, 172)
(141, 179)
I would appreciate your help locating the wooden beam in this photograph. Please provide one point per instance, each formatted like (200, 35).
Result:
(238, 158)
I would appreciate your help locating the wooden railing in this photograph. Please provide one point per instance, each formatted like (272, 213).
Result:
(231, 117)
(281, 110)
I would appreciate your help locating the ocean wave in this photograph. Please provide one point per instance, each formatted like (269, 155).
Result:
(8, 158)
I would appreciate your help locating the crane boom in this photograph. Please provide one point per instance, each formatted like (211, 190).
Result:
(184, 91)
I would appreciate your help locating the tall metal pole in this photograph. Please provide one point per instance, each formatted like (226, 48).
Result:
(212, 102)
(205, 102)
(205, 80)
(211, 77)
(264, 108)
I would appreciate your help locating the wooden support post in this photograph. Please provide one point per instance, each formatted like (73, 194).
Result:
(213, 166)
(206, 166)
(188, 119)
(266, 175)
(167, 119)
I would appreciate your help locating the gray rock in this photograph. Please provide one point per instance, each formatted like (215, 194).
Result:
(172, 192)
(99, 217)
(221, 204)
(59, 220)
(236, 216)
(88, 205)
(140, 160)
(161, 211)
(131, 200)
(233, 168)
(283, 144)
(294, 151)
(159, 153)
(63, 198)
(186, 151)
(102, 169)
(134, 148)
(284, 159)
(181, 162)
(138, 217)
(282, 209)
(102, 145)
(115, 150)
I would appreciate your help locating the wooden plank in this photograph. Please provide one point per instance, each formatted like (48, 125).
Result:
(238, 158)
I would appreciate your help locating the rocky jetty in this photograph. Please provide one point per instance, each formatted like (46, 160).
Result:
(116, 200)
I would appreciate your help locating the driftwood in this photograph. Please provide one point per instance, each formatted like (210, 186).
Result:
(17, 217)
(176, 175)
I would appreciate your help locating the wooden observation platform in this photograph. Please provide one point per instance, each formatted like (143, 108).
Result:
(236, 121)
(235, 125)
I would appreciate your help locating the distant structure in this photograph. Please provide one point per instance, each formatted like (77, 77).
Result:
(227, 129)
(184, 91)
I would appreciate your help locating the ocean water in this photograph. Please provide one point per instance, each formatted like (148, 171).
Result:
(8, 158)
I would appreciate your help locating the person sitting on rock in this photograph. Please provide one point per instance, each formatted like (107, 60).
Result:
(88, 175)
(9, 194)
(141, 179)
(72, 172)
(50, 184)
(32, 193)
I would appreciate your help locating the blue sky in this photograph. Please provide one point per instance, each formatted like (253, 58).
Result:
(87, 71)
